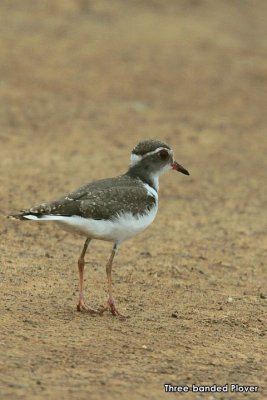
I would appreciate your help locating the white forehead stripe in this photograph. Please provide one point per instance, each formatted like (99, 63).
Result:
(135, 158)
(156, 151)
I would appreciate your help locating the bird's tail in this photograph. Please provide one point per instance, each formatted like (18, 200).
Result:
(34, 213)
(19, 216)
(36, 217)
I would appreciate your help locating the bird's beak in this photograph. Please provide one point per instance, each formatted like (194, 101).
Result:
(180, 168)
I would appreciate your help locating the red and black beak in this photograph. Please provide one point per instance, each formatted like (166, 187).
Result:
(180, 168)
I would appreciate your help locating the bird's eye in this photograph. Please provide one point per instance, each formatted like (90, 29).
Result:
(163, 154)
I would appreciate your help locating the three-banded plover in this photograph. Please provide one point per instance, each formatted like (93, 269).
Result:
(113, 209)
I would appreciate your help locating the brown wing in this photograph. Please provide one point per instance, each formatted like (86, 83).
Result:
(102, 201)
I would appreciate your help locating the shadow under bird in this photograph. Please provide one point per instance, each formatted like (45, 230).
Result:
(113, 209)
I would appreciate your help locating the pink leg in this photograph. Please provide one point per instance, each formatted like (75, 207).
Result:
(110, 302)
(82, 306)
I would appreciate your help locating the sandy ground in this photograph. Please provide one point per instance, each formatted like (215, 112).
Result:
(81, 82)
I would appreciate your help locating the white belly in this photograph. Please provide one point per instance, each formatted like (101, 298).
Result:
(122, 228)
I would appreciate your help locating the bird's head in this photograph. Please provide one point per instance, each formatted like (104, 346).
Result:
(152, 158)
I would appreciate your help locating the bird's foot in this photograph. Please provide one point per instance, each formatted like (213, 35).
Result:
(82, 306)
(110, 306)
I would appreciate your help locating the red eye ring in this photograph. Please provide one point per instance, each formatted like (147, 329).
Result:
(163, 154)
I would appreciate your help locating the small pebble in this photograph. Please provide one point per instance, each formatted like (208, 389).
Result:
(145, 254)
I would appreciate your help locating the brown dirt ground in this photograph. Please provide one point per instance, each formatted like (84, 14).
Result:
(81, 83)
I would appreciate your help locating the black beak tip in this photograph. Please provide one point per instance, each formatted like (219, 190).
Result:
(179, 168)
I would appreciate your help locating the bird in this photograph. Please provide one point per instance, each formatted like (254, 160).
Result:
(113, 209)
